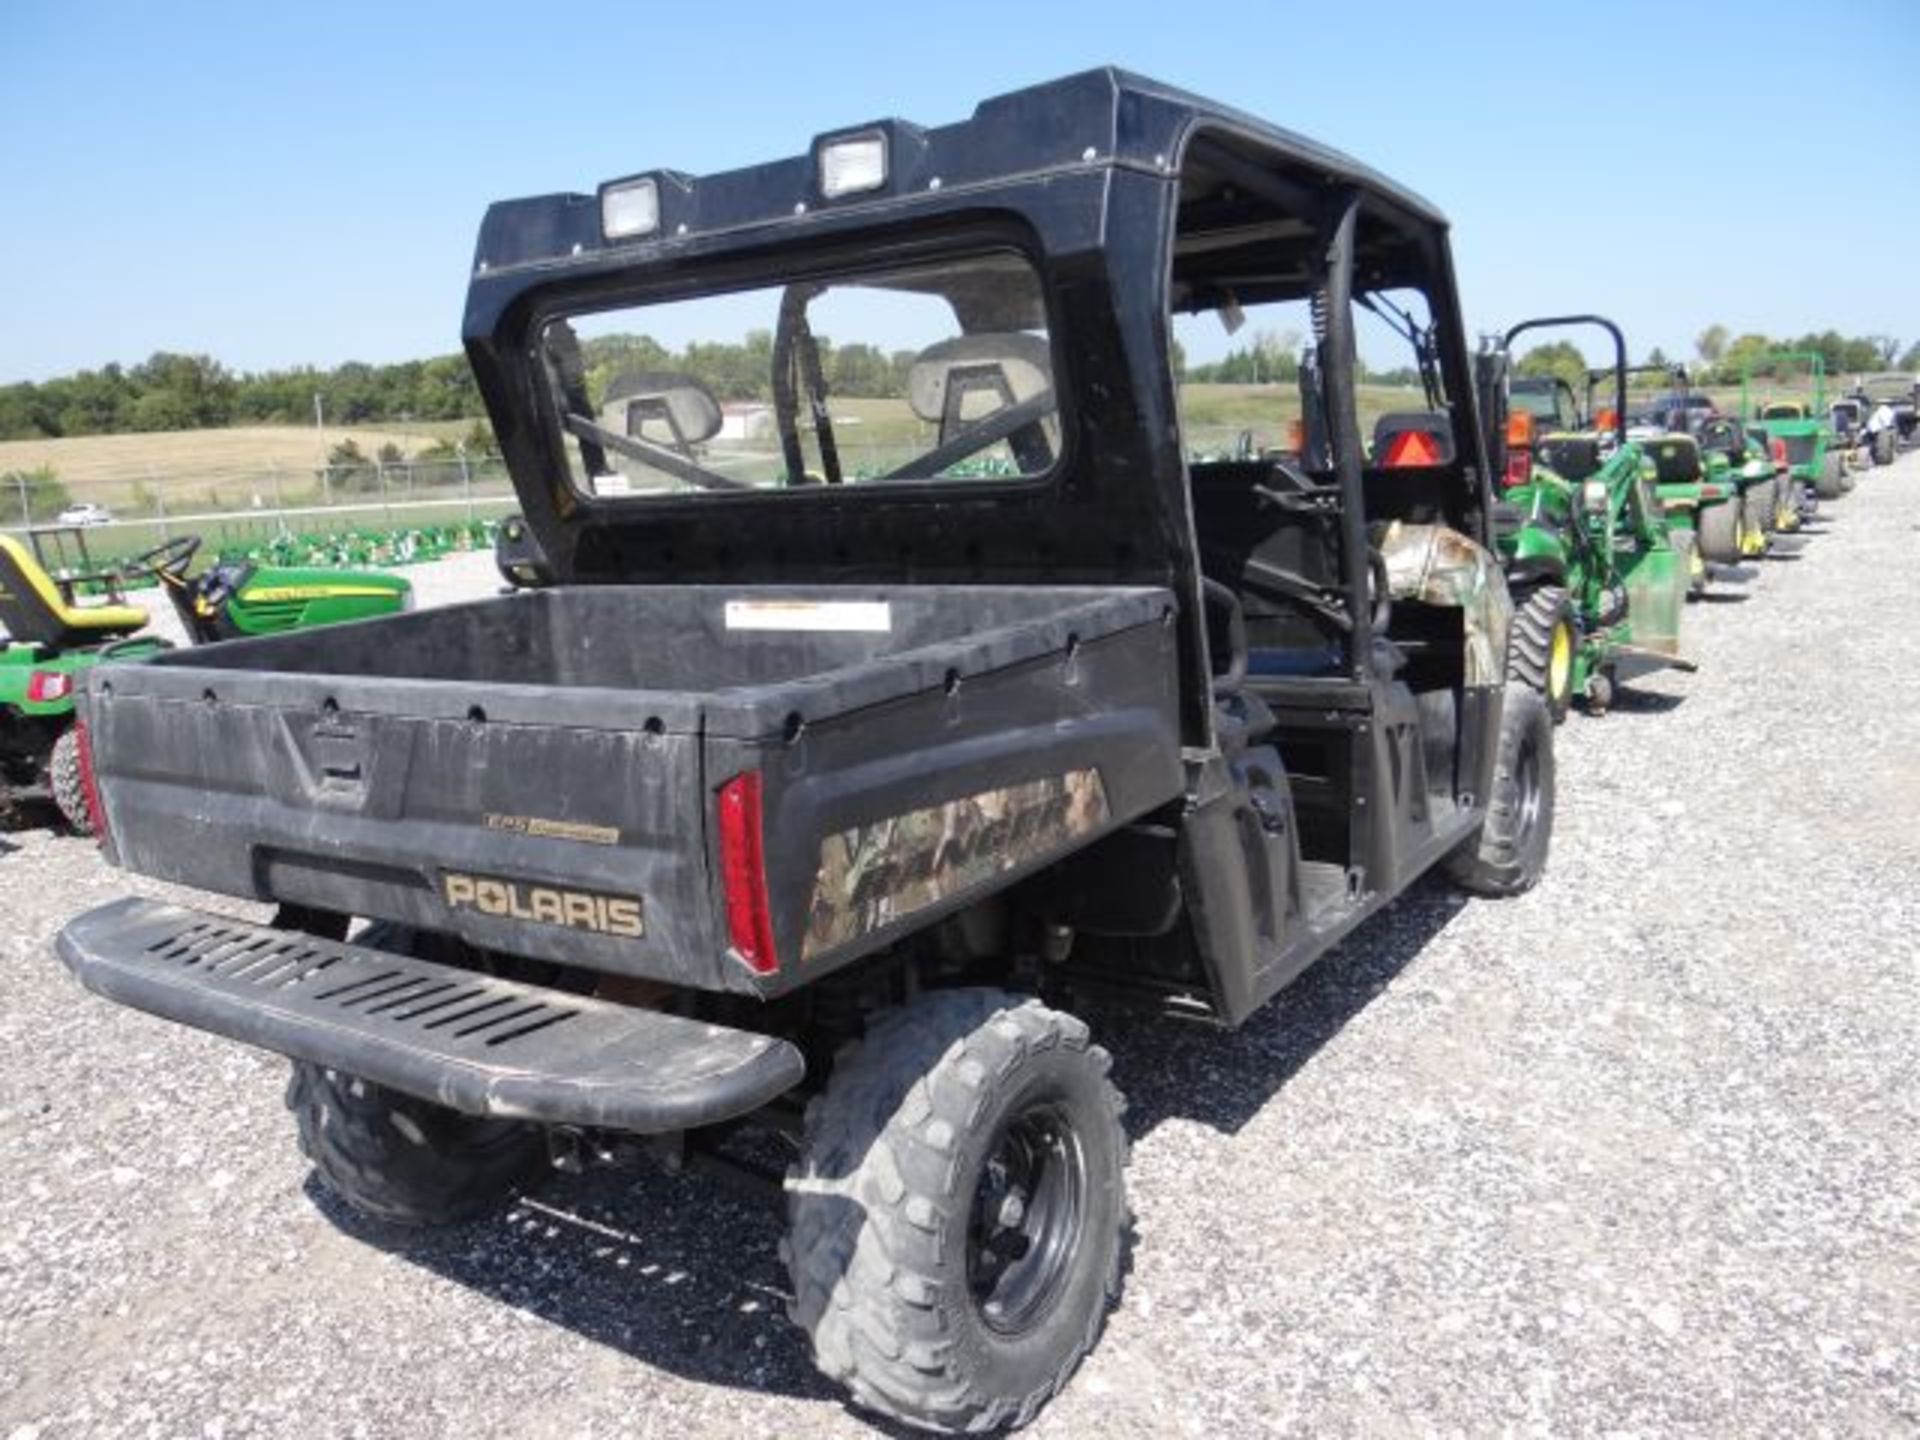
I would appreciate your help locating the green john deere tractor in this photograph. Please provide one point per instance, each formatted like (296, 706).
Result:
(1598, 577)
(1798, 428)
(52, 637)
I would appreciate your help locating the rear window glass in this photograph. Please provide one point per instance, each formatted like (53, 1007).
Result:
(931, 374)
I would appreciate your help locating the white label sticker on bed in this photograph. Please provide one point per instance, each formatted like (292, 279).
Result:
(843, 615)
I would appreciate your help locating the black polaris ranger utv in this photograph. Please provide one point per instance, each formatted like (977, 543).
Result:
(899, 683)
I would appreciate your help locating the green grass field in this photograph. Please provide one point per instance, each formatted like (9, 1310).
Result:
(108, 469)
(273, 467)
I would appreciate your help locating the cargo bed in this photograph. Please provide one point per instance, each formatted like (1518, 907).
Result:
(539, 772)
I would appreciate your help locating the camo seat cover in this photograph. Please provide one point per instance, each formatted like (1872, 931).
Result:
(1437, 565)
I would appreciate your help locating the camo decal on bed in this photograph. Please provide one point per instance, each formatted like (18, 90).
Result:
(875, 874)
(1440, 566)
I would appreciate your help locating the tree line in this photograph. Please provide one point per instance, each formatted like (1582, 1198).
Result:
(191, 392)
(1721, 358)
(196, 392)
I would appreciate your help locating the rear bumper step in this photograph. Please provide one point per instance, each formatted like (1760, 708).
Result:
(473, 1042)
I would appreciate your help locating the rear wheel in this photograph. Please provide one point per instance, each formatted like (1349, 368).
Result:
(1833, 481)
(1786, 505)
(1719, 532)
(1687, 562)
(958, 1213)
(402, 1159)
(1544, 644)
(1883, 448)
(69, 787)
(1509, 855)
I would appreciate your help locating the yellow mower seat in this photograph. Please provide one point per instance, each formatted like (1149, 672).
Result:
(36, 613)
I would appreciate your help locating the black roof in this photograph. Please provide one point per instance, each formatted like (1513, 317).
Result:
(1103, 118)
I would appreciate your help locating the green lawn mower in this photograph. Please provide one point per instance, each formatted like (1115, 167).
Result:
(52, 639)
(1698, 491)
(1727, 507)
(1598, 576)
(1798, 430)
(1737, 457)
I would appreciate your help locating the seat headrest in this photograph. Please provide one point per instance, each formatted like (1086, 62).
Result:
(679, 405)
(994, 371)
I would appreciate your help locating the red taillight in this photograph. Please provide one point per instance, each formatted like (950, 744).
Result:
(743, 873)
(1519, 467)
(89, 784)
(46, 686)
(1779, 449)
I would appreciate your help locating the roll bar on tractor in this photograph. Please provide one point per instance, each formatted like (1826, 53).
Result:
(1493, 371)
(1676, 374)
(1555, 322)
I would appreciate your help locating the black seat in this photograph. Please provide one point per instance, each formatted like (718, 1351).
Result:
(1676, 460)
(1235, 526)
(1725, 437)
(34, 611)
(1571, 457)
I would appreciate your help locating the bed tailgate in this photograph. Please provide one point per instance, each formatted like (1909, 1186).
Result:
(503, 822)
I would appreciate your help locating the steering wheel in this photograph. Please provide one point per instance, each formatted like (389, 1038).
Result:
(168, 559)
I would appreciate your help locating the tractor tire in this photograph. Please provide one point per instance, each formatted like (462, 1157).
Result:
(1686, 559)
(1786, 505)
(1543, 645)
(69, 788)
(1833, 481)
(958, 1215)
(401, 1159)
(1719, 532)
(1757, 505)
(1509, 854)
(1883, 448)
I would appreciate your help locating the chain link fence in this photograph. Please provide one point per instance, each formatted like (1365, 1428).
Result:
(125, 514)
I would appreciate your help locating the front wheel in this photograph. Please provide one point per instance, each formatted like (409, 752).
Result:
(1544, 647)
(1509, 854)
(958, 1213)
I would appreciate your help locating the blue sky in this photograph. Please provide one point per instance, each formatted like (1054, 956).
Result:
(277, 186)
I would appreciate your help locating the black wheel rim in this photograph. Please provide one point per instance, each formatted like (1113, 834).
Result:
(1024, 1228)
(1526, 780)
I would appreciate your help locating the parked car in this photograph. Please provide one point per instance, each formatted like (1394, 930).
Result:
(86, 513)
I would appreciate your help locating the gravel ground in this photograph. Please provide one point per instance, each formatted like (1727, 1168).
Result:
(1639, 1152)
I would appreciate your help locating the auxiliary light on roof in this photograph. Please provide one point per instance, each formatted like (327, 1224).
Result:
(630, 208)
(853, 164)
